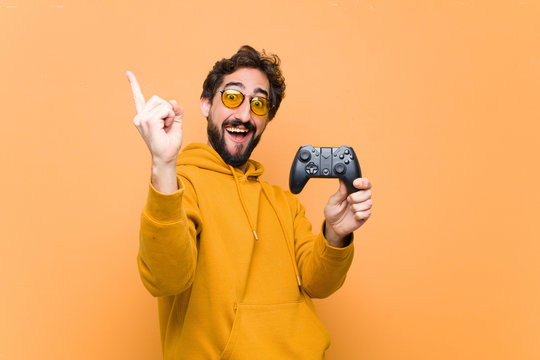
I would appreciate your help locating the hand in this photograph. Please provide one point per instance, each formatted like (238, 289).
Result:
(345, 212)
(160, 124)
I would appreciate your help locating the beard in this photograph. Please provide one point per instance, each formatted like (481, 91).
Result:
(217, 141)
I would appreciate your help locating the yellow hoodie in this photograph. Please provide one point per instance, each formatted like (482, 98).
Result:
(234, 265)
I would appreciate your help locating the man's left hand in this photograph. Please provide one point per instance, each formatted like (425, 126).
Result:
(346, 212)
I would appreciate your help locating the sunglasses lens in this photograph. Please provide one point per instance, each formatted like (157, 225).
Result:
(232, 98)
(260, 106)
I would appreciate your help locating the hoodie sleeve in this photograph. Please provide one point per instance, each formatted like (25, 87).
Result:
(167, 255)
(322, 268)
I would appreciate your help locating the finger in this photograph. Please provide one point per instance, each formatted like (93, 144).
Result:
(154, 119)
(359, 196)
(176, 127)
(177, 109)
(138, 97)
(137, 120)
(147, 114)
(154, 102)
(362, 206)
(168, 121)
(362, 183)
(340, 195)
(362, 215)
(162, 113)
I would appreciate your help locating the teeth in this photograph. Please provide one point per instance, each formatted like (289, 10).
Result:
(237, 130)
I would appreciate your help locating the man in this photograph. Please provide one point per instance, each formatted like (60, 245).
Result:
(232, 259)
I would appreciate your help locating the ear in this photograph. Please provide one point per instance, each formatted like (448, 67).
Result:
(205, 106)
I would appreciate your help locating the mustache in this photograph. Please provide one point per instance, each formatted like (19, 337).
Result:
(237, 123)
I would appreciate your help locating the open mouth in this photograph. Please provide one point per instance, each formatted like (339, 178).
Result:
(237, 133)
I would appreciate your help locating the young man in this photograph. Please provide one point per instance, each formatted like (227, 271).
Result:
(231, 258)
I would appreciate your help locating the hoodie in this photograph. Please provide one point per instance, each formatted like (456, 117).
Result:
(234, 265)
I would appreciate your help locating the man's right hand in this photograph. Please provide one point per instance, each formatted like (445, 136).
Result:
(160, 124)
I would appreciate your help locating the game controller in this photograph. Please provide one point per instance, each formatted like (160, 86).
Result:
(324, 162)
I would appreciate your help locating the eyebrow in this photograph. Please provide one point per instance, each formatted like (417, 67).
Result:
(240, 85)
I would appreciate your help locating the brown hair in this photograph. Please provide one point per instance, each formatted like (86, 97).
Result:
(248, 57)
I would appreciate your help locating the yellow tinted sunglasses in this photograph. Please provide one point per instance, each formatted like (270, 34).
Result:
(233, 98)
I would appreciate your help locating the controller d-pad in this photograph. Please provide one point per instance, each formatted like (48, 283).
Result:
(311, 168)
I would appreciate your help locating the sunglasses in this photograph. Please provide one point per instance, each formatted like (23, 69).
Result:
(233, 98)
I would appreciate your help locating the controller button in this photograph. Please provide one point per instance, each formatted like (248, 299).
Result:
(347, 162)
(305, 156)
(326, 152)
(347, 152)
(342, 156)
(311, 169)
(340, 169)
(326, 171)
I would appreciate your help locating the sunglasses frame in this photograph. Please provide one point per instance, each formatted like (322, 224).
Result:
(244, 98)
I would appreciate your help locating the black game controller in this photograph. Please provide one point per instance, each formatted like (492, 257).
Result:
(324, 162)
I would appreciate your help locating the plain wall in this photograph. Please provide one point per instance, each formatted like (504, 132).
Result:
(439, 99)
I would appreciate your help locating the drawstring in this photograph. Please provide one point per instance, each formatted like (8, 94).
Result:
(249, 221)
(243, 203)
(291, 252)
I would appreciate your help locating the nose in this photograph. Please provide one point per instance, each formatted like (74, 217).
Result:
(244, 111)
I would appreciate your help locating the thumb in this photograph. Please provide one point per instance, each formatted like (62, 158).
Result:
(340, 195)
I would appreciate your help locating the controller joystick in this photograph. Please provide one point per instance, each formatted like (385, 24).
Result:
(304, 156)
(324, 162)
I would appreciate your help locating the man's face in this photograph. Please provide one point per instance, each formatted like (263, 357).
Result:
(234, 133)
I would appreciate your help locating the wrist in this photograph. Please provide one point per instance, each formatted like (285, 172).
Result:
(162, 163)
(164, 177)
(334, 239)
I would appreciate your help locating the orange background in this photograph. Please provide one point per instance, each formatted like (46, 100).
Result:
(438, 98)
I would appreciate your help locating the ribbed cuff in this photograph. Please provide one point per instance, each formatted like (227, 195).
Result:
(164, 207)
(325, 249)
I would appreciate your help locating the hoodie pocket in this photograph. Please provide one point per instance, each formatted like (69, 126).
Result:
(278, 331)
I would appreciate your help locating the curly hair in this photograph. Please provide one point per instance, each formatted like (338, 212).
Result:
(248, 57)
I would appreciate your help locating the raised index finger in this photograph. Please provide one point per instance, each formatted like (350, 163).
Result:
(138, 97)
